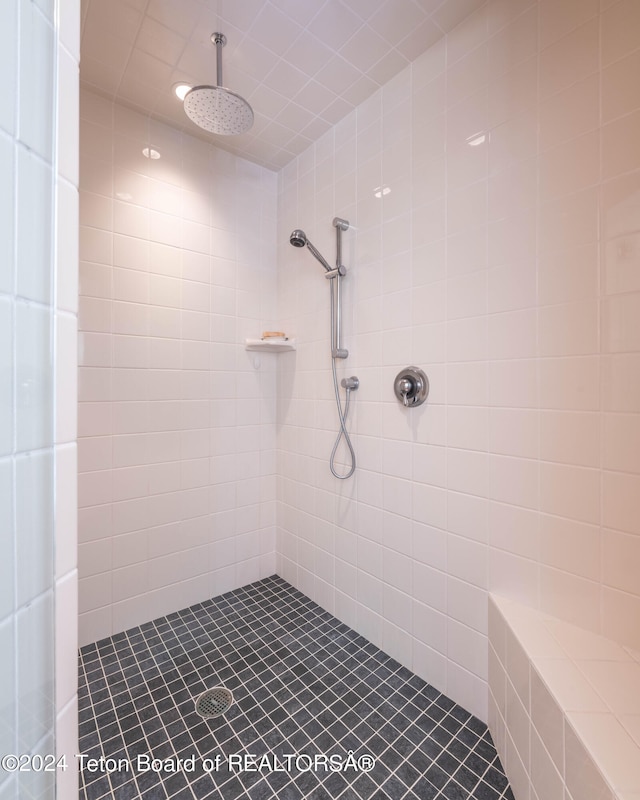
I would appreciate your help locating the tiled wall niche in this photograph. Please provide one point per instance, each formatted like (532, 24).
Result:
(502, 261)
(176, 420)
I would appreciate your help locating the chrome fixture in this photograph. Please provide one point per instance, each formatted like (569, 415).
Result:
(411, 387)
(214, 702)
(298, 238)
(216, 109)
(335, 274)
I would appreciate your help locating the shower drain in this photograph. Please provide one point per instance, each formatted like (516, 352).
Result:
(214, 702)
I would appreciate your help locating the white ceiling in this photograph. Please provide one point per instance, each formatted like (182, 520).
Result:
(302, 64)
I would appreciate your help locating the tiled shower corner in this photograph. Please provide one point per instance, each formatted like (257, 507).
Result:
(305, 686)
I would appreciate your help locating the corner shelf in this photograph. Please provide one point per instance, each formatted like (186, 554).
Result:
(270, 345)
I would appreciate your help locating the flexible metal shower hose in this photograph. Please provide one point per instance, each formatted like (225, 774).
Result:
(341, 414)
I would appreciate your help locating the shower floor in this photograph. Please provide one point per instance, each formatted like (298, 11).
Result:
(315, 705)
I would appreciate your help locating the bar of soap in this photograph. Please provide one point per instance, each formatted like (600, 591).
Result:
(274, 335)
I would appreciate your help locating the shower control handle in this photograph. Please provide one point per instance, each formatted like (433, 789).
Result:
(411, 387)
(405, 386)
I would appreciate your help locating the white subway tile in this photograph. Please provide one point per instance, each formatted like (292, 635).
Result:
(467, 516)
(34, 233)
(620, 383)
(514, 577)
(569, 491)
(618, 23)
(514, 529)
(569, 384)
(514, 480)
(616, 750)
(466, 603)
(556, 21)
(558, 125)
(36, 108)
(34, 403)
(570, 438)
(468, 648)
(569, 597)
(469, 688)
(94, 592)
(570, 58)
(10, 65)
(513, 189)
(571, 546)
(618, 145)
(467, 560)
(67, 248)
(620, 501)
(512, 334)
(430, 626)
(516, 92)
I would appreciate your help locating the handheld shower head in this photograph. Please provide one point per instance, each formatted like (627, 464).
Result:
(298, 238)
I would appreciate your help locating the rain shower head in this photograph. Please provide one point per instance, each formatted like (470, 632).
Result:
(216, 109)
(298, 238)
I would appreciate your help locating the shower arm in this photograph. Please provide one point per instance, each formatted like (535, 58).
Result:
(337, 351)
(219, 39)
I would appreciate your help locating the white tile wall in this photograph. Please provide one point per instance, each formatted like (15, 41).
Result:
(502, 261)
(38, 308)
(176, 420)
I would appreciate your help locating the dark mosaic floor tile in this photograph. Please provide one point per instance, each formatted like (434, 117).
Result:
(424, 790)
(486, 750)
(391, 759)
(485, 792)
(395, 788)
(466, 778)
(447, 762)
(496, 779)
(380, 795)
(407, 773)
(97, 788)
(128, 791)
(476, 764)
(320, 793)
(303, 682)
(364, 787)
(453, 791)
(419, 761)
(261, 790)
(436, 776)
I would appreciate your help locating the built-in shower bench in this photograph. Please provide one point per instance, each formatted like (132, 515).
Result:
(564, 707)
